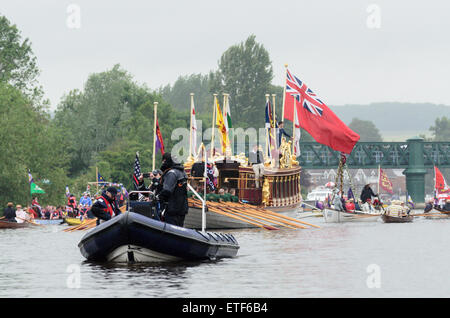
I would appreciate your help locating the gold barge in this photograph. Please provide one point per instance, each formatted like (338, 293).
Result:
(280, 191)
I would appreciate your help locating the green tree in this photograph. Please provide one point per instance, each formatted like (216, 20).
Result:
(93, 118)
(18, 65)
(441, 129)
(178, 95)
(245, 72)
(29, 141)
(366, 129)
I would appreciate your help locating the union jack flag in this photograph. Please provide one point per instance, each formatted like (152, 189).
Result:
(304, 95)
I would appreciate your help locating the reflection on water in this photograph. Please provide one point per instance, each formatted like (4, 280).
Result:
(336, 260)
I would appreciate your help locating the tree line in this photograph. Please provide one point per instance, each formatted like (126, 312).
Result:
(104, 124)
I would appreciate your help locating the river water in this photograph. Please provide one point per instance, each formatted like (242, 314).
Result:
(371, 259)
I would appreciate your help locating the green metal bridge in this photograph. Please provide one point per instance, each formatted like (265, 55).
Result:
(414, 155)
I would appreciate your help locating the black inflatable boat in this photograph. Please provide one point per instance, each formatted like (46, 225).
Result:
(132, 237)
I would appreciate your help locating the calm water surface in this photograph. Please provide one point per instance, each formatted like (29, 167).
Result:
(337, 260)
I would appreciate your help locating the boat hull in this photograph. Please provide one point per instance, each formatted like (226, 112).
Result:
(393, 219)
(131, 237)
(13, 225)
(333, 216)
(48, 222)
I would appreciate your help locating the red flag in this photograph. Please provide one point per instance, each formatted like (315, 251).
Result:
(439, 182)
(385, 183)
(316, 118)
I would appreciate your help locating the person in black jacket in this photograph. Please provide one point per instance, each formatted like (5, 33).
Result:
(9, 213)
(105, 207)
(173, 191)
(367, 193)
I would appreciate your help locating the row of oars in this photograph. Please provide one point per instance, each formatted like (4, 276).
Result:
(85, 225)
(253, 215)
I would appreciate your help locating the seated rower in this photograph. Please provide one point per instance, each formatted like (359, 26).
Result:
(395, 209)
(429, 206)
(350, 205)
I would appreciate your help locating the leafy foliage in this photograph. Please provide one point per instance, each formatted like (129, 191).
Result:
(366, 129)
(441, 129)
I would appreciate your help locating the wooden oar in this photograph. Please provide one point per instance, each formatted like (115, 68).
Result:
(258, 224)
(34, 223)
(82, 225)
(295, 220)
(263, 218)
(268, 212)
(360, 216)
(269, 218)
(430, 214)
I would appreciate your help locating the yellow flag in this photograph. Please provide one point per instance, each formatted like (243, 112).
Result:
(222, 128)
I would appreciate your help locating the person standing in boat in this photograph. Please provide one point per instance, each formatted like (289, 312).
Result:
(173, 192)
(256, 159)
(104, 207)
(282, 132)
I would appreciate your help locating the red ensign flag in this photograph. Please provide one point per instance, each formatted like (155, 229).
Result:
(316, 118)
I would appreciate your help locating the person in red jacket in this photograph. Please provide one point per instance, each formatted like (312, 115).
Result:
(350, 205)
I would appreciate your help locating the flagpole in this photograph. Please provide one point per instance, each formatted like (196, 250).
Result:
(293, 124)
(96, 177)
(273, 100)
(284, 91)
(379, 176)
(213, 126)
(267, 131)
(224, 116)
(190, 128)
(154, 133)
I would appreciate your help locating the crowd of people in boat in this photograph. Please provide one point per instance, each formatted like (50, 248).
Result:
(441, 204)
(368, 202)
(82, 209)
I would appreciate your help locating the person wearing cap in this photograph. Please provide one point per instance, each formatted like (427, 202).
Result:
(155, 186)
(173, 193)
(85, 200)
(9, 213)
(105, 207)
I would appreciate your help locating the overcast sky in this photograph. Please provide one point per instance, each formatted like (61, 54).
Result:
(348, 52)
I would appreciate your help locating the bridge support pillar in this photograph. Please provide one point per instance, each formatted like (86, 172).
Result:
(415, 172)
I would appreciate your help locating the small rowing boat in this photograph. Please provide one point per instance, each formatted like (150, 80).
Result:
(397, 219)
(12, 225)
(334, 216)
(48, 222)
(72, 221)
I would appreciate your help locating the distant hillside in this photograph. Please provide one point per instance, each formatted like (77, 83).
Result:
(395, 118)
